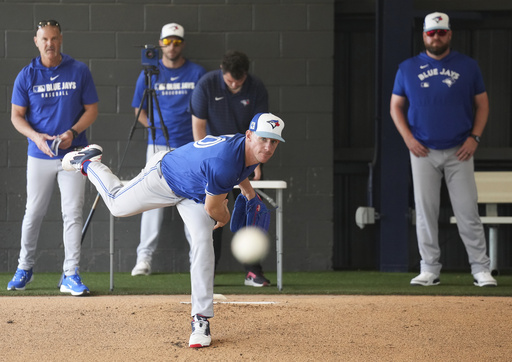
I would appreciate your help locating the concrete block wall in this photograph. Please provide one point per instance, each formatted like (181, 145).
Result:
(290, 44)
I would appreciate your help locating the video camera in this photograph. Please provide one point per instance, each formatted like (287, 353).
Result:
(150, 56)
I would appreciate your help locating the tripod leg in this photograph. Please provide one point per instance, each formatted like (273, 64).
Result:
(165, 131)
(89, 218)
(151, 116)
(60, 281)
(132, 131)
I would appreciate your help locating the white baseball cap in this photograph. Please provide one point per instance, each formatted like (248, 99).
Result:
(436, 21)
(267, 125)
(172, 29)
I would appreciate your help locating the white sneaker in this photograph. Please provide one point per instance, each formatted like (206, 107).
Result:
(141, 268)
(484, 279)
(426, 279)
(200, 336)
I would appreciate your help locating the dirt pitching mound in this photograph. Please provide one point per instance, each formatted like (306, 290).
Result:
(258, 328)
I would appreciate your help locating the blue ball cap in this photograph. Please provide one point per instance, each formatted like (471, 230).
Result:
(267, 125)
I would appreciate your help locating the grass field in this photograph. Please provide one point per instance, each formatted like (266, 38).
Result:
(328, 283)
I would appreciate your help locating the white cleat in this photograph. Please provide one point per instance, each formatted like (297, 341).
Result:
(141, 268)
(426, 279)
(484, 279)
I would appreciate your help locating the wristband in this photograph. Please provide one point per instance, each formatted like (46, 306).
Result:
(74, 132)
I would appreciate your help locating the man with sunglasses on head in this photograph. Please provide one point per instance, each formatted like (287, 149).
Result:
(224, 102)
(440, 107)
(173, 82)
(54, 101)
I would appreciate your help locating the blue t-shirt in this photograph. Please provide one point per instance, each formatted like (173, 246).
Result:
(210, 166)
(55, 99)
(173, 88)
(225, 112)
(441, 96)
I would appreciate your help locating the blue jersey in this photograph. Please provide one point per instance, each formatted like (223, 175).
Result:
(441, 96)
(173, 87)
(225, 112)
(210, 166)
(54, 98)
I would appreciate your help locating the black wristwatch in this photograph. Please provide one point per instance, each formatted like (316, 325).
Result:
(74, 133)
(477, 138)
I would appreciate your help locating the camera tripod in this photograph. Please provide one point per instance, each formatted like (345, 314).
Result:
(149, 97)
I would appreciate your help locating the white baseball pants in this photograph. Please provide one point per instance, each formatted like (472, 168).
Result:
(41, 177)
(149, 190)
(427, 173)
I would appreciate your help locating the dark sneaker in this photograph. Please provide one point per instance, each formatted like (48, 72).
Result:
(20, 280)
(73, 161)
(256, 280)
(200, 336)
(73, 284)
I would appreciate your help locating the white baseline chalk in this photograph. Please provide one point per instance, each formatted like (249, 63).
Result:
(236, 302)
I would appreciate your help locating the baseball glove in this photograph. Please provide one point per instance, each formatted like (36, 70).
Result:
(239, 215)
(249, 213)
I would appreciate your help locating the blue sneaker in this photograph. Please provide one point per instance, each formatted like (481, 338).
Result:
(73, 284)
(20, 280)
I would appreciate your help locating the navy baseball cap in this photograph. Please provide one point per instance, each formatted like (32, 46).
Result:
(267, 125)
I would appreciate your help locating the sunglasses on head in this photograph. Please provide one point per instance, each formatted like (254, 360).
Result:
(176, 42)
(44, 23)
(440, 32)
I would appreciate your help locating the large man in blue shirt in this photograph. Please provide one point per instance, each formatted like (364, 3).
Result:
(224, 102)
(54, 101)
(442, 133)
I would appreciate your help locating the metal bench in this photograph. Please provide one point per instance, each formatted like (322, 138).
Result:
(494, 187)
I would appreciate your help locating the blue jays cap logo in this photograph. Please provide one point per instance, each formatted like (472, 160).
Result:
(437, 19)
(273, 123)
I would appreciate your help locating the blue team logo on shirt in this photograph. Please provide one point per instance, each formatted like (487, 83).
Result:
(175, 88)
(451, 74)
(39, 88)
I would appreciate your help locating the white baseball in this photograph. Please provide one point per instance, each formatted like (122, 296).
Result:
(250, 245)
